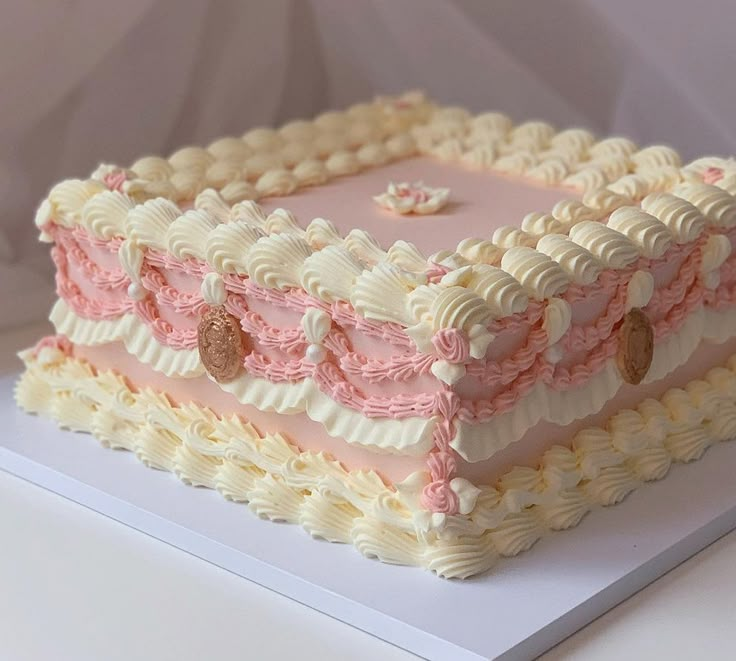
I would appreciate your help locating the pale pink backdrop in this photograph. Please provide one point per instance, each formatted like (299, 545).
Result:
(89, 80)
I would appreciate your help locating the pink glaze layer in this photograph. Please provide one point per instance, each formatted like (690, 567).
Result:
(479, 203)
(301, 431)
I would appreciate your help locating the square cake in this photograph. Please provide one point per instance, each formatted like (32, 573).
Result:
(433, 335)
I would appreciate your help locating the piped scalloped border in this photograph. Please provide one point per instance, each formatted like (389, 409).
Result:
(548, 253)
(280, 483)
(408, 435)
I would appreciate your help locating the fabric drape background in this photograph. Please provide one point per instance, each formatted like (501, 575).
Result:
(85, 81)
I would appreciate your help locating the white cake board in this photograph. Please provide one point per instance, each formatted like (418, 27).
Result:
(523, 607)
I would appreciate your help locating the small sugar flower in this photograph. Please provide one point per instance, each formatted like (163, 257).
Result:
(405, 198)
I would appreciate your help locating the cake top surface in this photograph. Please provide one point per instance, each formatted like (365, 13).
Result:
(478, 203)
(371, 204)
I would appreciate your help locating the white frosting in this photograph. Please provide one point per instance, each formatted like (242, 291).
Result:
(404, 198)
(131, 259)
(213, 289)
(608, 245)
(516, 163)
(506, 237)
(549, 172)
(282, 221)
(364, 246)
(228, 243)
(539, 275)
(578, 263)
(68, 197)
(406, 256)
(280, 483)
(614, 146)
(557, 319)
(571, 212)
(316, 324)
(503, 294)
(211, 202)
(605, 201)
(586, 179)
(229, 149)
(716, 204)
(148, 223)
(683, 219)
(321, 233)
(104, 214)
(153, 168)
(458, 307)
(646, 231)
(480, 251)
(639, 290)
(633, 186)
(329, 274)
(656, 156)
(449, 373)
(276, 182)
(381, 293)
(186, 237)
(716, 250)
(249, 211)
(539, 224)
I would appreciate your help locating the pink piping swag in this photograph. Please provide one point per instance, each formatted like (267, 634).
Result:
(518, 373)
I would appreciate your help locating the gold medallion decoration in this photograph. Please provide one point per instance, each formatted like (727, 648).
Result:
(636, 346)
(220, 344)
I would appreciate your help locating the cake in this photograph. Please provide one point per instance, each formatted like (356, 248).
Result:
(433, 335)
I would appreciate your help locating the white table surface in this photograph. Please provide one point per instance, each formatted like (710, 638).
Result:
(76, 585)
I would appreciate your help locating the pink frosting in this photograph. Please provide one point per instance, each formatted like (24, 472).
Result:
(115, 180)
(58, 342)
(451, 345)
(95, 289)
(712, 175)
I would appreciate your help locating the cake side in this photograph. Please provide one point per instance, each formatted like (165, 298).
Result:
(422, 369)
(281, 483)
(450, 315)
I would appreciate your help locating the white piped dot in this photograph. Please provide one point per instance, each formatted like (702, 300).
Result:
(136, 291)
(316, 353)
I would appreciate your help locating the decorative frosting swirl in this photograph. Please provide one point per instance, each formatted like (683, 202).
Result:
(716, 204)
(187, 236)
(643, 229)
(148, 223)
(329, 274)
(451, 344)
(581, 265)
(501, 291)
(275, 261)
(608, 245)
(104, 215)
(681, 217)
(227, 245)
(538, 274)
